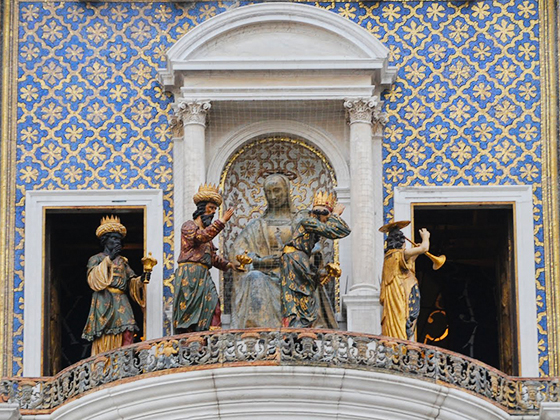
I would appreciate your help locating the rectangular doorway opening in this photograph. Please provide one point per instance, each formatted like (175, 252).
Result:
(69, 242)
(469, 305)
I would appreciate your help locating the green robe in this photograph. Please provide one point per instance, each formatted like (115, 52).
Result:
(110, 311)
(300, 305)
(195, 299)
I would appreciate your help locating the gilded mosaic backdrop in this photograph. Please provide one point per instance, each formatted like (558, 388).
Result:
(243, 181)
(465, 108)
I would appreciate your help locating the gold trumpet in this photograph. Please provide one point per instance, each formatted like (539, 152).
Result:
(438, 261)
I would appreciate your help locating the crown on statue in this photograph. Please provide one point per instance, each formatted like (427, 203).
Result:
(208, 192)
(110, 224)
(324, 200)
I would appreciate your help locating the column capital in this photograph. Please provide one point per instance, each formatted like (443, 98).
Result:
(193, 112)
(379, 119)
(360, 110)
(175, 127)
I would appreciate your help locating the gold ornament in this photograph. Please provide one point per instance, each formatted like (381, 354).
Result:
(333, 271)
(243, 260)
(324, 200)
(208, 192)
(110, 224)
(148, 263)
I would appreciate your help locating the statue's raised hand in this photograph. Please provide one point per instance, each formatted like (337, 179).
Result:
(114, 253)
(338, 209)
(226, 216)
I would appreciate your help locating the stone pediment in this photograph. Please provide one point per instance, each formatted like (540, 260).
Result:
(278, 37)
(277, 45)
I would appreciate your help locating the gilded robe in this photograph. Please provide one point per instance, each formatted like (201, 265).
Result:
(196, 302)
(400, 296)
(301, 304)
(110, 313)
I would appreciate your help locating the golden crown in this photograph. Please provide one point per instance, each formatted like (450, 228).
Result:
(324, 200)
(110, 224)
(208, 192)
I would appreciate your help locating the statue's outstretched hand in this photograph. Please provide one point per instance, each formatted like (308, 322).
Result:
(270, 261)
(227, 215)
(424, 233)
(338, 209)
(235, 267)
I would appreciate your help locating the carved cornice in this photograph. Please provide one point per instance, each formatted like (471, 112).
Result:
(193, 112)
(360, 110)
(283, 347)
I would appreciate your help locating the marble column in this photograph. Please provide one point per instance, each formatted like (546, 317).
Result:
(188, 131)
(362, 300)
(189, 166)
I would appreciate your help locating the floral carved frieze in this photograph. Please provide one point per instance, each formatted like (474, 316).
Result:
(283, 347)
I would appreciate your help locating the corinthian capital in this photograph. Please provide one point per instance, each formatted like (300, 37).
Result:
(379, 119)
(193, 112)
(360, 110)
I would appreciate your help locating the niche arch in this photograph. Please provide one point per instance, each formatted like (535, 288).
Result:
(242, 181)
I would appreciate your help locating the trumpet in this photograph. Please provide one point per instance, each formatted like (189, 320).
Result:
(438, 261)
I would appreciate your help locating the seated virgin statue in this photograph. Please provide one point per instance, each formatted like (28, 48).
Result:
(256, 294)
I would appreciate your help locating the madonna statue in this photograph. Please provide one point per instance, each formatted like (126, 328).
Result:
(256, 294)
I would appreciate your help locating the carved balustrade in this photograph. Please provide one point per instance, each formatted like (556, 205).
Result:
(284, 347)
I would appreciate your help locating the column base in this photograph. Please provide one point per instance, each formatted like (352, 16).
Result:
(363, 310)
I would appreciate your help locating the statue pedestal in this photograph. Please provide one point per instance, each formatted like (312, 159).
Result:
(363, 310)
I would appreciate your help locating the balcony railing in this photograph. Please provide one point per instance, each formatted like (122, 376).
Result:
(284, 347)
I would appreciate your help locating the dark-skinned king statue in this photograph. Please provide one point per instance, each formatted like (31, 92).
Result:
(111, 323)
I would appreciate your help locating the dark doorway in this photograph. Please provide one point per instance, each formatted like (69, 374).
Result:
(69, 242)
(468, 305)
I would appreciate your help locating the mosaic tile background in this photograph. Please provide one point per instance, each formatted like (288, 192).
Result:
(465, 109)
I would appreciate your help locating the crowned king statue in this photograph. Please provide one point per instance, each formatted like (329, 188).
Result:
(196, 305)
(111, 323)
(299, 276)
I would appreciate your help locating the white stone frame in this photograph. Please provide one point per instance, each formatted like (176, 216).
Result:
(35, 205)
(281, 53)
(232, 141)
(184, 55)
(522, 198)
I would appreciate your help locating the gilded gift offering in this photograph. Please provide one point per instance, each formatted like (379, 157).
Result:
(243, 260)
(332, 271)
(149, 263)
